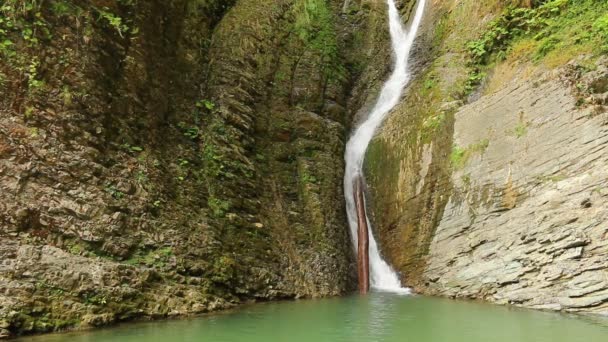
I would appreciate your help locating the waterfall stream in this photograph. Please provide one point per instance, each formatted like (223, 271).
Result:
(382, 276)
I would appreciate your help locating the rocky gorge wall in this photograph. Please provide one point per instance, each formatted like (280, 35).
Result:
(489, 180)
(166, 158)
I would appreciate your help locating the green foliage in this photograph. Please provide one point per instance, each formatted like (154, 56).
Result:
(2, 81)
(190, 132)
(460, 155)
(218, 207)
(552, 25)
(141, 177)
(430, 83)
(61, 8)
(547, 45)
(224, 269)
(307, 178)
(521, 130)
(315, 27)
(25, 19)
(212, 160)
(94, 299)
(600, 27)
(32, 76)
(441, 30)
(475, 78)
(130, 148)
(151, 258)
(114, 21)
(114, 192)
(431, 124)
(6, 47)
(513, 22)
(457, 156)
(207, 104)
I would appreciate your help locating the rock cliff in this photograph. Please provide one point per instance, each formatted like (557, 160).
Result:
(489, 181)
(164, 158)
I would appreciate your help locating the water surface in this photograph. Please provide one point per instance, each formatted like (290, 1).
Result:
(374, 318)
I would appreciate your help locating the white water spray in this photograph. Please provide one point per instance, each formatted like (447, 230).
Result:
(383, 277)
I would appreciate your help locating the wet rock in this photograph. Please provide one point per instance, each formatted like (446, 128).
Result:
(549, 237)
(98, 320)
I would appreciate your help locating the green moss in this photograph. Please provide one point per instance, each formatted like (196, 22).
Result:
(218, 207)
(307, 178)
(460, 155)
(521, 130)
(315, 25)
(224, 269)
(158, 257)
(457, 157)
(431, 125)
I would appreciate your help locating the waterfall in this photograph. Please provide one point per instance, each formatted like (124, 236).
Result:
(382, 276)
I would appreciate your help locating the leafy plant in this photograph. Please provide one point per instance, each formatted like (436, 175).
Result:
(205, 104)
(191, 132)
(32, 75)
(600, 27)
(429, 83)
(457, 156)
(114, 21)
(61, 8)
(307, 178)
(218, 207)
(546, 46)
(95, 299)
(521, 130)
(131, 148)
(114, 192)
(475, 78)
(460, 155)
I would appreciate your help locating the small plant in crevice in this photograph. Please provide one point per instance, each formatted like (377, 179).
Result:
(206, 104)
(460, 155)
(431, 124)
(114, 192)
(522, 126)
(307, 178)
(218, 207)
(114, 21)
(94, 299)
(457, 156)
(2, 81)
(141, 177)
(33, 82)
(521, 130)
(153, 258)
(190, 132)
(475, 78)
(130, 148)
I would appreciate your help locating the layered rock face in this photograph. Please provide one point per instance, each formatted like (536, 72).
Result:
(163, 158)
(497, 190)
(526, 222)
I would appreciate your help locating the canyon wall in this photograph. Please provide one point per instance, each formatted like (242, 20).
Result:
(489, 181)
(166, 158)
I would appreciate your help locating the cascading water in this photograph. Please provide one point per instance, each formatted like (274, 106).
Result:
(382, 276)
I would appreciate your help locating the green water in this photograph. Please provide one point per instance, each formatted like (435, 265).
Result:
(378, 317)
